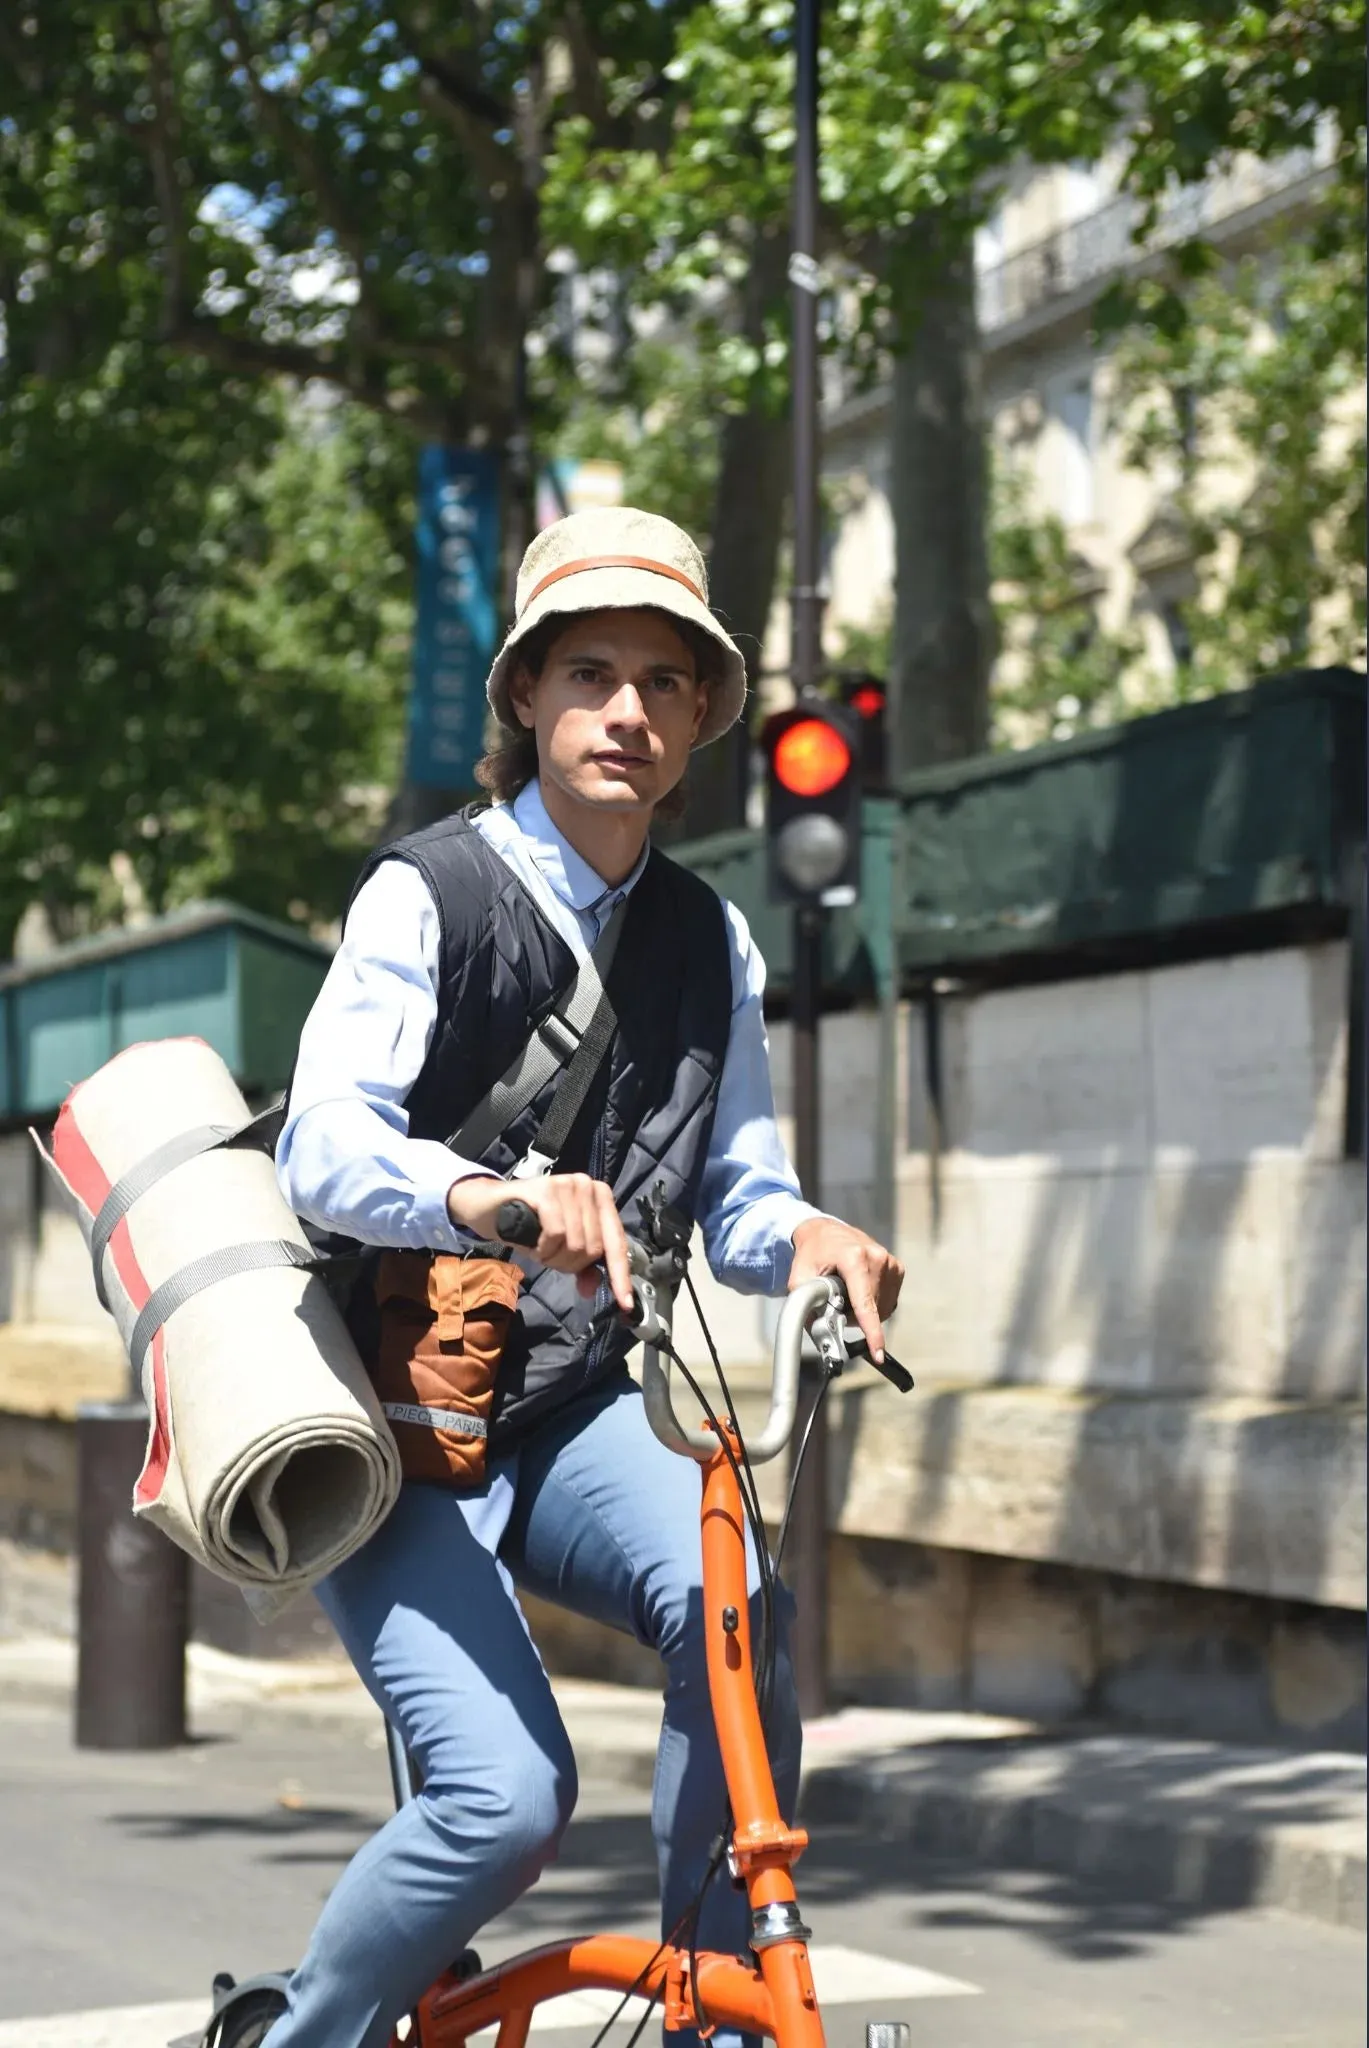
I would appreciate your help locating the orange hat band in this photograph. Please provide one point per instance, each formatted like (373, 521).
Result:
(615, 562)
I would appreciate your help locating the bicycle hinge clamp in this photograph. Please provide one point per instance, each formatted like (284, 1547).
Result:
(764, 1845)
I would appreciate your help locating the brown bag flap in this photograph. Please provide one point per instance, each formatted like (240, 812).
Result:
(403, 1276)
(447, 1286)
(461, 1287)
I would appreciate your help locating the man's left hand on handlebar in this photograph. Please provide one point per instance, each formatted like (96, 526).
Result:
(872, 1276)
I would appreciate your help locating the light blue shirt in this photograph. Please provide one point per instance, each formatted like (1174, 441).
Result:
(346, 1160)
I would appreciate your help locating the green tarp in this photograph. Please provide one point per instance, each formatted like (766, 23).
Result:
(1216, 819)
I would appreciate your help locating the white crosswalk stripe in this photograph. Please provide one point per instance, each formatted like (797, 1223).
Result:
(843, 1976)
(123, 2026)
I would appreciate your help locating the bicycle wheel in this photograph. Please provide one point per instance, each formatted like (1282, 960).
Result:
(248, 2021)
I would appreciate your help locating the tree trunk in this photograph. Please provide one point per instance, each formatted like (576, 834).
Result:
(748, 514)
(943, 641)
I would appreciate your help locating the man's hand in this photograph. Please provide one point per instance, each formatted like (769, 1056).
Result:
(871, 1276)
(581, 1227)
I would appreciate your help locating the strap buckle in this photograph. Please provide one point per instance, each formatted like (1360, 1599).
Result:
(559, 1037)
(534, 1165)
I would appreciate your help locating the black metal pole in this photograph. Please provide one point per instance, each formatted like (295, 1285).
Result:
(132, 1595)
(810, 1507)
(804, 278)
(809, 1524)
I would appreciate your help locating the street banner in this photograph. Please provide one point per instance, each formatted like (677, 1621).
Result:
(566, 486)
(456, 628)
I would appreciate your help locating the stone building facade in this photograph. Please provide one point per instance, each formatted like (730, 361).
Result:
(1058, 239)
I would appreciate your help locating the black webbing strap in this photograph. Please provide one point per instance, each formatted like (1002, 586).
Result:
(226, 1264)
(566, 1104)
(556, 1046)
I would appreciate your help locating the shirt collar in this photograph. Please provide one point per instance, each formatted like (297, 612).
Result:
(568, 873)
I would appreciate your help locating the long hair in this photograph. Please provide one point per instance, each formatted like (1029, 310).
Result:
(511, 763)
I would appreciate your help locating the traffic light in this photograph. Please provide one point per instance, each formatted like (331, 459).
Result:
(867, 696)
(812, 812)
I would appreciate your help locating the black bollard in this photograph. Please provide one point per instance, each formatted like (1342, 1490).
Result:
(133, 1598)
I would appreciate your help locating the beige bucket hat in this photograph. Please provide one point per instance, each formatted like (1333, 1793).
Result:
(613, 558)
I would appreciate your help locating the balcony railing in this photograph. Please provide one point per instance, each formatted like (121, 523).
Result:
(1090, 251)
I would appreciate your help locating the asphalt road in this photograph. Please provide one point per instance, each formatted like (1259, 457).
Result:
(129, 1880)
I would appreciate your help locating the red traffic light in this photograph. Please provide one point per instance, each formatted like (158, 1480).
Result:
(867, 701)
(810, 758)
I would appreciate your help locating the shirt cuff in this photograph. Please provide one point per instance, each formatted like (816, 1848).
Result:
(762, 1263)
(435, 1228)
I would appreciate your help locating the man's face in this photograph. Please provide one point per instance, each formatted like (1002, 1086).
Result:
(616, 709)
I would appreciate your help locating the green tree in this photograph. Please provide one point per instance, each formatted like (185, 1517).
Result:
(1059, 669)
(349, 191)
(925, 108)
(203, 634)
(203, 208)
(1244, 390)
(254, 189)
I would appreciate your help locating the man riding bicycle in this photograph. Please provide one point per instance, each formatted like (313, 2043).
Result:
(530, 1460)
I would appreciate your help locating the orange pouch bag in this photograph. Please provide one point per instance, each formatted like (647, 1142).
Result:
(443, 1323)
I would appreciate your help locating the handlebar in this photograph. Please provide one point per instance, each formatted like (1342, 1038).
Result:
(516, 1223)
(819, 1305)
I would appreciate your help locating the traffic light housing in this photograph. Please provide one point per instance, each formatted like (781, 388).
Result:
(868, 696)
(812, 809)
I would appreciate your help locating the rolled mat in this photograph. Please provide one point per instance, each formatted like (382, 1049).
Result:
(268, 1457)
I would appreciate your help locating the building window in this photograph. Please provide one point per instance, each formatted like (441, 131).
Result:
(1186, 420)
(1081, 191)
(1074, 410)
(1177, 633)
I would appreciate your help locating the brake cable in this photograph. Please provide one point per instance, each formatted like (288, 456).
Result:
(829, 1373)
(767, 1570)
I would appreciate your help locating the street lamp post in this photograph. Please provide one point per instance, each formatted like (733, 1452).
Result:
(810, 1508)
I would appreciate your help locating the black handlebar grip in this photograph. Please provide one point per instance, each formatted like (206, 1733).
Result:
(517, 1224)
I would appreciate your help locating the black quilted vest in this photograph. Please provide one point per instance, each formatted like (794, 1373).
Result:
(649, 1113)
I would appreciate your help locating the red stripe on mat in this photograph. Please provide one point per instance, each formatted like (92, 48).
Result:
(91, 1184)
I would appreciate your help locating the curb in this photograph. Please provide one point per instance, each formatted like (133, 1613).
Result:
(1191, 1862)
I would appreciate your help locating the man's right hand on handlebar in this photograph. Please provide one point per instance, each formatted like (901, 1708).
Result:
(581, 1227)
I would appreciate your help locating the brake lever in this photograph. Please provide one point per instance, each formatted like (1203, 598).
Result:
(856, 1348)
(897, 1375)
(839, 1342)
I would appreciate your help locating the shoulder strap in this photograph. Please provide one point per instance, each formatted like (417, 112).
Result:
(572, 1041)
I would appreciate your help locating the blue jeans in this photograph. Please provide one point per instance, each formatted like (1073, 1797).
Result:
(589, 1511)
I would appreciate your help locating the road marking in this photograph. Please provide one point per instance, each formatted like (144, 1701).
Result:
(843, 1976)
(848, 1976)
(124, 2026)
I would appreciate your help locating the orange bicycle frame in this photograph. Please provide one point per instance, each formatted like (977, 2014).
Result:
(775, 1998)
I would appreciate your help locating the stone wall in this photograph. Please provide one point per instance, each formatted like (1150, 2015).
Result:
(1135, 1303)
(917, 1625)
